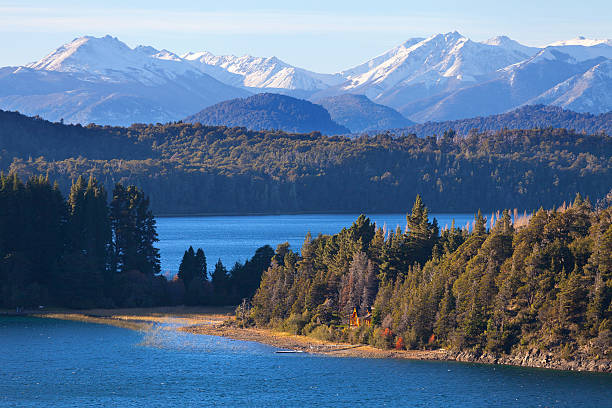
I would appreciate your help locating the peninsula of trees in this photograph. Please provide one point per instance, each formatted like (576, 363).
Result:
(506, 284)
(190, 168)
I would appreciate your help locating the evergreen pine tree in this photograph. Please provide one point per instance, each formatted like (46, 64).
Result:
(200, 262)
(87, 261)
(421, 234)
(188, 268)
(220, 282)
(134, 231)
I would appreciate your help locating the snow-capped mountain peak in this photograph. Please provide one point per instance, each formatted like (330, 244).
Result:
(411, 41)
(82, 54)
(432, 62)
(260, 72)
(167, 55)
(112, 60)
(193, 56)
(500, 40)
(510, 44)
(585, 42)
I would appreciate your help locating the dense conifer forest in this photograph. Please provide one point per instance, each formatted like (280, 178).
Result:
(502, 284)
(190, 168)
(84, 252)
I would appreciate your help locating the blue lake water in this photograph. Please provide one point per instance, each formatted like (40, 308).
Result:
(54, 363)
(235, 238)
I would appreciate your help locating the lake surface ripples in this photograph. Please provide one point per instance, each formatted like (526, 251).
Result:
(58, 363)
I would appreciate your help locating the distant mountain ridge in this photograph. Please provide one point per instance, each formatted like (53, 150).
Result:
(526, 117)
(103, 80)
(257, 72)
(269, 111)
(437, 78)
(448, 76)
(360, 114)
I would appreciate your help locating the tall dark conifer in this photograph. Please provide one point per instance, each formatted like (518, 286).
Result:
(134, 231)
(200, 262)
(86, 264)
(422, 235)
(193, 265)
(220, 282)
(188, 269)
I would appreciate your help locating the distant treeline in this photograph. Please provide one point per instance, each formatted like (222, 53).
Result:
(541, 282)
(190, 168)
(84, 253)
(526, 117)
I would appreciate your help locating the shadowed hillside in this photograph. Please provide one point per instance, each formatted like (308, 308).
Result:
(359, 114)
(269, 111)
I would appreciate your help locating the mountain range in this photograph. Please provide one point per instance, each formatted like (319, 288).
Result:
(438, 78)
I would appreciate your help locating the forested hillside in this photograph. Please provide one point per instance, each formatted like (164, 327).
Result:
(270, 111)
(507, 285)
(191, 168)
(526, 117)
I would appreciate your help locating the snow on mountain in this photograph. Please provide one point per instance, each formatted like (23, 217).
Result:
(511, 45)
(107, 58)
(448, 76)
(513, 86)
(444, 76)
(587, 92)
(587, 42)
(573, 53)
(431, 65)
(559, 60)
(259, 72)
(376, 61)
(102, 80)
(111, 59)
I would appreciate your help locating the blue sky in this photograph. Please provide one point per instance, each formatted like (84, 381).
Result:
(324, 36)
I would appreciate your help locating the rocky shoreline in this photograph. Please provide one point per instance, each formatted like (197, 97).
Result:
(534, 358)
(537, 359)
